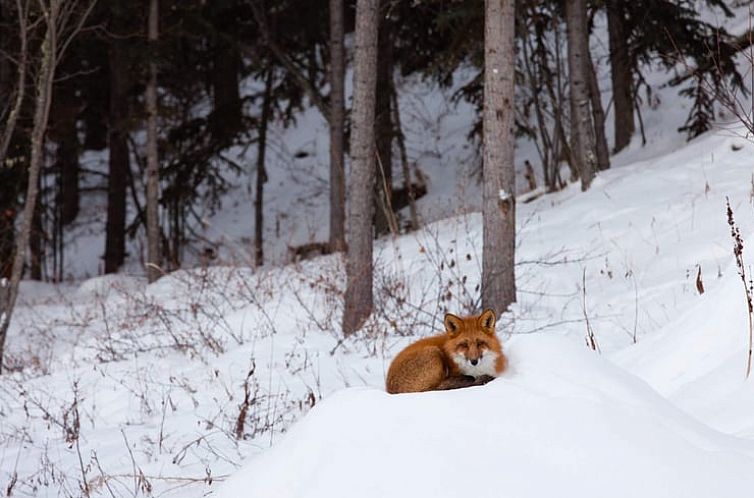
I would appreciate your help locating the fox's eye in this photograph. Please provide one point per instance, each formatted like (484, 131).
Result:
(481, 344)
(463, 345)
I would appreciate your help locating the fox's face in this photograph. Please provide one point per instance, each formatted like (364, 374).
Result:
(472, 343)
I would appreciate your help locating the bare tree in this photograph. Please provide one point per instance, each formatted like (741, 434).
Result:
(582, 136)
(358, 299)
(499, 202)
(22, 11)
(620, 74)
(337, 137)
(62, 21)
(153, 172)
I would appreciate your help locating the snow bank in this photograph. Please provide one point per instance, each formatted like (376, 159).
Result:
(562, 419)
(699, 359)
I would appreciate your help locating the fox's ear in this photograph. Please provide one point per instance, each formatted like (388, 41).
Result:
(452, 324)
(487, 321)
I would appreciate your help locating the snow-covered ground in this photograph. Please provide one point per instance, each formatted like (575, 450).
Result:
(188, 387)
(169, 388)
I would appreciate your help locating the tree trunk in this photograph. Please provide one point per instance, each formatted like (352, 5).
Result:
(408, 184)
(45, 78)
(358, 298)
(337, 127)
(64, 132)
(115, 240)
(582, 139)
(262, 172)
(598, 116)
(153, 166)
(557, 98)
(36, 244)
(5, 70)
(95, 116)
(499, 195)
(384, 219)
(621, 75)
(226, 115)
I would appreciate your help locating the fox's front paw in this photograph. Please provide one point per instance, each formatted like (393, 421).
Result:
(482, 380)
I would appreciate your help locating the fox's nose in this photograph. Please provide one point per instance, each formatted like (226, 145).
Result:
(474, 362)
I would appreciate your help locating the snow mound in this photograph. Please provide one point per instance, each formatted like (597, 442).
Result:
(562, 419)
(698, 361)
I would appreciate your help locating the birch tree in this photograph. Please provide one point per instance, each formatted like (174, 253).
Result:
(499, 201)
(358, 298)
(62, 21)
(582, 136)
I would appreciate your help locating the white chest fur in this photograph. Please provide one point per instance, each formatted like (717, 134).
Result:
(485, 365)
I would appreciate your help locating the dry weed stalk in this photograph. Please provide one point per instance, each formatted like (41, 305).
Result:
(591, 340)
(738, 253)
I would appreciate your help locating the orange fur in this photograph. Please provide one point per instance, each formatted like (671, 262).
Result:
(433, 363)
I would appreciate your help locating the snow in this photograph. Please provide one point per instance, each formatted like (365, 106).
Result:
(563, 419)
(147, 382)
(130, 389)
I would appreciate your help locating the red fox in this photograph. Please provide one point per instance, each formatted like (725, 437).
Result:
(467, 354)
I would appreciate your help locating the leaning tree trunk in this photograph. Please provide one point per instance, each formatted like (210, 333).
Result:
(408, 184)
(598, 116)
(262, 171)
(499, 195)
(153, 165)
(45, 79)
(115, 237)
(358, 298)
(384, 218)
(337, 136)
(582, 138)
(621, 75)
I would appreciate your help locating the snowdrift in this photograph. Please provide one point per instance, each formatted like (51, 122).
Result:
(561, 422)
(698, 361)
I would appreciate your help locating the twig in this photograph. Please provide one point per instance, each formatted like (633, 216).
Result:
(591, 340)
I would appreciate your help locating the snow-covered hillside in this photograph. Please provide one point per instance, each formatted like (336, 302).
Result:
(137, 389)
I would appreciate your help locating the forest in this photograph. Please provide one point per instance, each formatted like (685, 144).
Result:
(268, 198)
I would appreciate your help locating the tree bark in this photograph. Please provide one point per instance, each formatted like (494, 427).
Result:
(582, 138)
(337, 128)
(358, 298)
(153, 166)
(598, 116)
(384, 219)
(621, 75)
(46, 76)
(499, 195)
(115, 240)
(262, 171)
